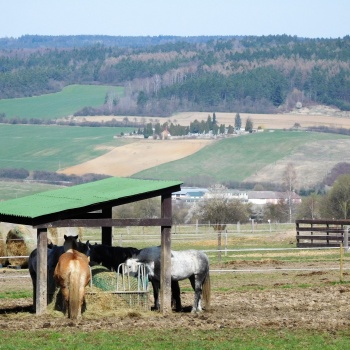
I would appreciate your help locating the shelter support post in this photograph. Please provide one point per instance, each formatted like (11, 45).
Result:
(165, 278)
(41, 283)
(107, 237)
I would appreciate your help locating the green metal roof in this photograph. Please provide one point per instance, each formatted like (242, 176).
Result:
(89, 196)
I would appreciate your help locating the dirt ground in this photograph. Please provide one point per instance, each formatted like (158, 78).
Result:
(323, 307)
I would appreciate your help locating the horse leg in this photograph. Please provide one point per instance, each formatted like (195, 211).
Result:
(156, 287)
(81, 300)
(33, 276)
(65, 303)
(197, 287)
(175, 294)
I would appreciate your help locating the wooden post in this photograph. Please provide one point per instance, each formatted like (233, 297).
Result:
(107, 237)
(346, 238)
(219, 246)
(41, 267)
(341, 261)
(165, 267)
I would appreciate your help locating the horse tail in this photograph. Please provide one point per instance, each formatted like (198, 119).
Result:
(206, 291)
(74, 294)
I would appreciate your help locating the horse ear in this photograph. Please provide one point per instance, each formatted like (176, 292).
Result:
(65, 237)
(76, 237)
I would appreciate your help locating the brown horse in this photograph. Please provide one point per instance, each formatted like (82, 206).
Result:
(72, 274)
(53, 254)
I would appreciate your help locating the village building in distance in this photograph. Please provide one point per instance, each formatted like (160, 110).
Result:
(194, 194)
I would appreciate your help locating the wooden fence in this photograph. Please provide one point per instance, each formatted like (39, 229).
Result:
(322, 233)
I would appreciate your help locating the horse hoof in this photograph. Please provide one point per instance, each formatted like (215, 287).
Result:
(194, 311)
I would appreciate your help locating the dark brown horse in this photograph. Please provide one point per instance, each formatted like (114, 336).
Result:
(72, 274)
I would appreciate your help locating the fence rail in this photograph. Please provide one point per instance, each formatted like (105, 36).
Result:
(320, 233)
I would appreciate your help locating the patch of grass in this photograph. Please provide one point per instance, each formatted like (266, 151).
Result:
(238, 339)
(52, 148)
(16, 189)
(16, 294)
(58, 105)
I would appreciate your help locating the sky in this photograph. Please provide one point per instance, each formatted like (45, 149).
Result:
(303, 18)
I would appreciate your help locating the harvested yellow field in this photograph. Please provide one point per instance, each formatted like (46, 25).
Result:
(142, 154)
(305, 117)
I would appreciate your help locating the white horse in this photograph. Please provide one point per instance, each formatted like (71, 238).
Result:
(191, 264)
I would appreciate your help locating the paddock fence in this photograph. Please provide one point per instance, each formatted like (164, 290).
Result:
(322, 233)
(251, 254)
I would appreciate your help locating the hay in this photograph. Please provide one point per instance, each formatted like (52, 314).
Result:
(3, 261)
(103, 278)
(52, 235)
(19, 242)
(57, 234)
(102, 299)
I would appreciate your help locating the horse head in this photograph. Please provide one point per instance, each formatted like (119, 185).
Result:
(84, 248)
(132, 266)
(70, 242)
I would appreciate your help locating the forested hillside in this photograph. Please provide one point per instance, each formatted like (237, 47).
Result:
(164, 75)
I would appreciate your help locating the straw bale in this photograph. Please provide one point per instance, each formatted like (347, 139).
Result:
(19, 242)
(3, 261)
(68, 231)
(52, 235)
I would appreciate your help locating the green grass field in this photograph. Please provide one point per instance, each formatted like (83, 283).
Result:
(53, 147)
(236, 158)
(221, 339)
(58, 105)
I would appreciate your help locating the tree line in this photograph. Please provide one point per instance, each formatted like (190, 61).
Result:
(174, 74)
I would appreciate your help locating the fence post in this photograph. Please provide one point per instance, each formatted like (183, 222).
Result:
(219, 246)
(346, 238)
(252, 220)
(341, 261)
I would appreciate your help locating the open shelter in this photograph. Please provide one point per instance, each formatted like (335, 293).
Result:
(90, 205)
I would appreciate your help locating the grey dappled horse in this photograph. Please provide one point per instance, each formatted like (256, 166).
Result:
(53, 254)
(191, 264)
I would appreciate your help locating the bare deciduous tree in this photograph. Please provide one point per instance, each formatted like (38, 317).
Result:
(290, 181)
